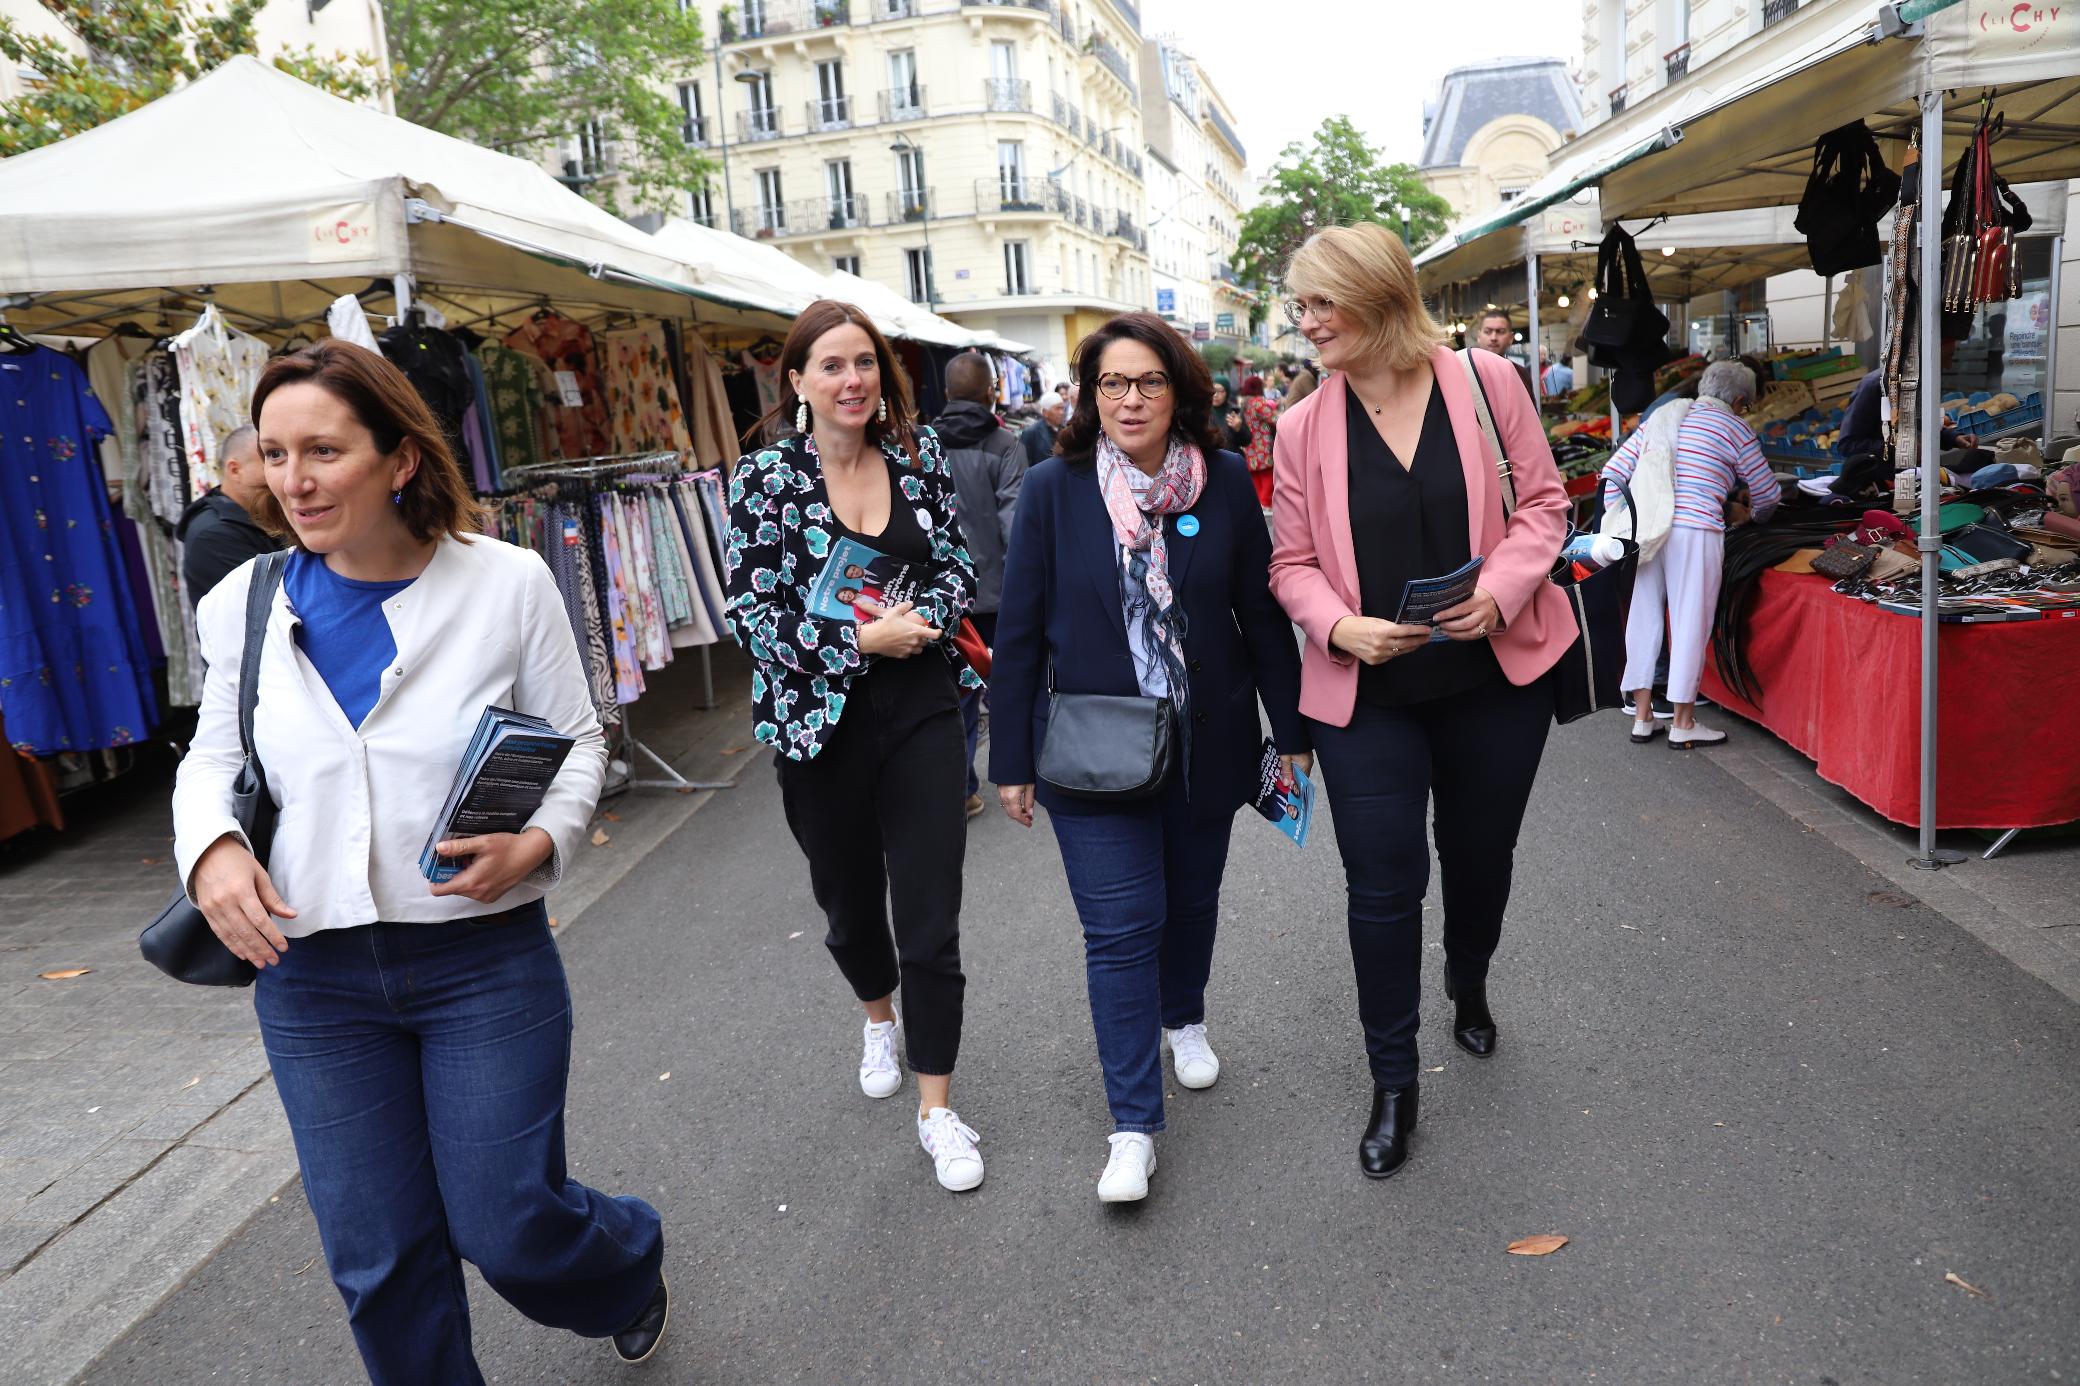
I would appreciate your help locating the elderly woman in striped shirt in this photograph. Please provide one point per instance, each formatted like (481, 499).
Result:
(1715, 455)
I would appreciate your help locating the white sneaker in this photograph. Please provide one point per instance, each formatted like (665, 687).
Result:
(951, 1145)
(1643, 732)
(1132, 1160)
(880, 1075)
(1690, 738)
(1197, 1065)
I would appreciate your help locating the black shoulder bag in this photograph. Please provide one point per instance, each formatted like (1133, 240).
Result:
(1106, 745)
(180, 942)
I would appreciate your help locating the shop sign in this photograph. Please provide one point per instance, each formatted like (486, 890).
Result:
(1166, 300)
(2029, 326)
(1563, 223)
(2010, 29)
(1224, 322)
(343, 232)
(1202, 332)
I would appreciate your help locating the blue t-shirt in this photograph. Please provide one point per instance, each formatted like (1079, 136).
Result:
(342, 630)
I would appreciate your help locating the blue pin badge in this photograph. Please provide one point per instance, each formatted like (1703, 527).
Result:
(1188, 525)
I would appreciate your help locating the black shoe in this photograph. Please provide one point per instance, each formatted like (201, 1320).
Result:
(1473, 1028)
(639, 1340)
(1383, 1149)
(1663, 708)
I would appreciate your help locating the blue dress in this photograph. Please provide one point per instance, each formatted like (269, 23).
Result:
(74, 673)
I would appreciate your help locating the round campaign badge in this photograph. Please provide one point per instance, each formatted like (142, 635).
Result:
(1188, 525)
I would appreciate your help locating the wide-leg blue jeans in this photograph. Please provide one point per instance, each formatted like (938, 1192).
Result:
(423, 1068)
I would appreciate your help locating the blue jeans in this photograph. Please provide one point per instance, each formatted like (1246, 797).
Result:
(1147, 883)
(423, 1069)
(976, 699)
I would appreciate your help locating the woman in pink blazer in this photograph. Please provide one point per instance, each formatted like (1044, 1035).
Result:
(1383, 476)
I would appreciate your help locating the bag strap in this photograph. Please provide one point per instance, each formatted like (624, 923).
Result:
(267, 578)
(1504, 473)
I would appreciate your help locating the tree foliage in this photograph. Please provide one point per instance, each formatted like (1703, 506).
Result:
(1334, 180)
(137, 52)
(522, 75)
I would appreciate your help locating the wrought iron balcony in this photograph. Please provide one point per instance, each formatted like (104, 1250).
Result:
(768, 18)
(1045, 8)
(760, 124)
(1007, 94)
(1002, 194)
(1131, 11)
(881, 11)
(903, 103)
(1774, 11)
(829, 113)
(1618, 100)
(762, 223)
(805, 216)
(1109, 57)
(1124, 228)
(912, 204)
(1677, 62)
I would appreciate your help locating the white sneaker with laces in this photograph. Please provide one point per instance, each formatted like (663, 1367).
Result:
(951, 1144)
(1643, 732)
(1692, 737)
(880, 1075)
(1127, 1169)
(1197, 1065)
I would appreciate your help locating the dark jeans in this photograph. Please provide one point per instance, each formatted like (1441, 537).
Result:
(1147, 883)
(1475, 755)
(423, 1069)
(878, 814)
(976, 699)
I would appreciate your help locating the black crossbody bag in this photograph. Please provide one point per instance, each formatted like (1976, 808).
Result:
(1105, 745)
(180, 942)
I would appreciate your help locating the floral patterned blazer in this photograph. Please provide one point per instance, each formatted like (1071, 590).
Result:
(781, 530)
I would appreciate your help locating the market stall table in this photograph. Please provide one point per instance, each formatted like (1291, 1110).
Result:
(1839, 679)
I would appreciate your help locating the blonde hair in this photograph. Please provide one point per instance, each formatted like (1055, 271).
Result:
(1365, 271)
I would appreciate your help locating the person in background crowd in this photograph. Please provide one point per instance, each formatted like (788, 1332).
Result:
(1861, 442)
(1038, 436)
(1557, 378)
(1260, 419)
(1227, 418)
(217, 531)
(865, 717)
(1137, 567)
(1715, 455)
(419, 1033)
(1300, 383)
(988, 463)
(1497, 333)
(1384, 476)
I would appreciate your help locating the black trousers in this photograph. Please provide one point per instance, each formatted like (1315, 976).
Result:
(879, 815)
(1475, 755)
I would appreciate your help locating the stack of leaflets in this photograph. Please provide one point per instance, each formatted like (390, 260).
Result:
(1423, 600)
(1288, 802)
(856, 572)
(511, 761)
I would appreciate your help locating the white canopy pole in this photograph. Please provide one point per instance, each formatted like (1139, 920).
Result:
(1532, 341)
(2058, 251)
(1928, 400)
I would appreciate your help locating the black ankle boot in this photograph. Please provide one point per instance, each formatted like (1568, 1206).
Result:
(1383, 1149)
(1473, 1028)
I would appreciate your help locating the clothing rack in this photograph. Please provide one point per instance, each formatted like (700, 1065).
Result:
(607, 468)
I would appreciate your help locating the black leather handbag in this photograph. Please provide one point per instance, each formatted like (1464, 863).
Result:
(1106, 746)
(180, 942)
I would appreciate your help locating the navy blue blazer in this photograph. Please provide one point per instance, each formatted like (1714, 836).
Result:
(1062, 603)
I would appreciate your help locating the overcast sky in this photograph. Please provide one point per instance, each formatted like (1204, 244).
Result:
(1285, 67)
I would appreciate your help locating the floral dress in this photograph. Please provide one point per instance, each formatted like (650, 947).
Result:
(781, 529)
(1261, 416)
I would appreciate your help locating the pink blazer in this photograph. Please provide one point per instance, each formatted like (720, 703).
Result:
(1314, 568)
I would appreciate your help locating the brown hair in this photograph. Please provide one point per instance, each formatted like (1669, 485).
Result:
(1365, 271)
(436, 500)
(1191, 386)
(900, 427)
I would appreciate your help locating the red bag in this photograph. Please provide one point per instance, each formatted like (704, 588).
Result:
(968, 640)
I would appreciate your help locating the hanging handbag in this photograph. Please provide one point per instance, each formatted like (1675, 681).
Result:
(1847, 194)
(180, 942)
(1106, 746)
(1615, 317)
(1587, 676)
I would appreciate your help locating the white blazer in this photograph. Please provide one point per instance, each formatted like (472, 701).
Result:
(483, 625)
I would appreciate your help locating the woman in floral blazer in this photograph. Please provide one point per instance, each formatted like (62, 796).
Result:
(865, 712)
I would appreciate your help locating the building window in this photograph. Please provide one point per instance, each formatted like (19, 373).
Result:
(693, 125)
(837, 181)
(592, 147)
(912, 199)
(700, 204)
(763, 118)
(1018, 272)
(832, 112)
(772, 209)
(1011, 173)
(848, 263)
(917, 273)
(905, 97)
(754, 18)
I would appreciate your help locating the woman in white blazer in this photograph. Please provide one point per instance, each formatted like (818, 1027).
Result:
(419, 1033)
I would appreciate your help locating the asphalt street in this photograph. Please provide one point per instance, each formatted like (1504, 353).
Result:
(1771, 1102)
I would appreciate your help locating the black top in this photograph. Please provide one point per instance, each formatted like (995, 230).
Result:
(903, 692)
(1410, 522)
(216, 536)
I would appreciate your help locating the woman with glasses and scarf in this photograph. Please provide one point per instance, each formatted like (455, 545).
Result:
(1138, 567)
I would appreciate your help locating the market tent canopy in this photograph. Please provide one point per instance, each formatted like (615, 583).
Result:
(722, 262)
(248, 177)
(911, 320)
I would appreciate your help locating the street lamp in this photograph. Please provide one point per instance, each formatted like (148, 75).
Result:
(903, 144)
(749, 79)
(1401, 211)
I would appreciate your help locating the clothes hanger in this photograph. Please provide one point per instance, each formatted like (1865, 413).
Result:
(12, 341)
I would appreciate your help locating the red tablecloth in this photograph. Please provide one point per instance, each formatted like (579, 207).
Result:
(1841, 681)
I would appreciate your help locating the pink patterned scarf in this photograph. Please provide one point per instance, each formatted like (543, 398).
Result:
(1137, 519)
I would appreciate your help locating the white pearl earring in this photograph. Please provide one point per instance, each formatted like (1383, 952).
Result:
(882, 413)
(801, 417)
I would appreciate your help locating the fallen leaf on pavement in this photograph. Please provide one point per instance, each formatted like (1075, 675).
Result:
(795, 935)
(308, 1264)
(611, 817)
(65, 974)
(1544, 1244)
(1953, 1278)
(189, 1084)
(1438, 1069)
(664, 1075)
(600, 838)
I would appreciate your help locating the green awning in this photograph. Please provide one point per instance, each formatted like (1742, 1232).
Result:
(1574, 181)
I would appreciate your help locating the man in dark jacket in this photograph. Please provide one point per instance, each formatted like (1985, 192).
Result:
(217, 532)
(1038, 436)
(988, 464)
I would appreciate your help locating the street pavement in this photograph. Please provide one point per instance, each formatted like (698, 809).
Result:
(1772, 1101)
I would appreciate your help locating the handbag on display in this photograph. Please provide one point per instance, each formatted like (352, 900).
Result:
(1847, 194)
(1844, 559)
(1105, 745)
(1586, 679)
(180, 942)
(1625, 326)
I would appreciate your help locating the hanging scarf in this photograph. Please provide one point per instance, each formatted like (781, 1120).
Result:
(1137, 526)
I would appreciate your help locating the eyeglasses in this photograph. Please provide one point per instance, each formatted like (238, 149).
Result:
(1297, 308)
(1154, 385)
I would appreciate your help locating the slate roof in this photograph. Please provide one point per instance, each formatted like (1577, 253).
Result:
(1472, 96)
